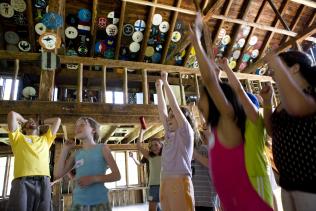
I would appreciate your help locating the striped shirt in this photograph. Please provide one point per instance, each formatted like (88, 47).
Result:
(204, 191)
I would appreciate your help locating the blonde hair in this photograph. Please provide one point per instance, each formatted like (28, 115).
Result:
(95, 125)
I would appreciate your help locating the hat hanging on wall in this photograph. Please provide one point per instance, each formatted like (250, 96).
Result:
(52, 20)
(24, 46)
(6, 10)
(128, 30)
(11, 37)
(139, 25)
(84, 15)
(18, 5)
(157, 19)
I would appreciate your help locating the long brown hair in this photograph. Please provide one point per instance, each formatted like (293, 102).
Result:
(95, 125)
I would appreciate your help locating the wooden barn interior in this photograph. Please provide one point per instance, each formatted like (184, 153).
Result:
(110, 54)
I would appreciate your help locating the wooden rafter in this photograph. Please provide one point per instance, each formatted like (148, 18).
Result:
(275, 23)
(312, 19)
(243, 14)
(221, 22)
(119, 36)
(294, 22)
(252, 31)
(179, 48)
(109, 133)
(30, 24)
(169, 36)
(93, 24)
(132, 136)
(262, 27)
(214, 8)
(279, 16)
(187, 54)
(147, 32)
(307, 32)
(309, 3)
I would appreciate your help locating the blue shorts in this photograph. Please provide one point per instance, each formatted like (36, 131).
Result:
(153, 193)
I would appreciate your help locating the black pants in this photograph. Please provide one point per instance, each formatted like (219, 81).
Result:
(198, 208)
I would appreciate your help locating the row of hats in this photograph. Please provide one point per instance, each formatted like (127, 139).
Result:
(15, 10)
(107, 30)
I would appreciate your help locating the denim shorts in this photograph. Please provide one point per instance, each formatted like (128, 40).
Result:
(153, 193)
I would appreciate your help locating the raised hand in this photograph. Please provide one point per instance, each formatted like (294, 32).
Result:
(223, 64)
(164, 76)
(130, 154)
(159, 83)
(266, 93)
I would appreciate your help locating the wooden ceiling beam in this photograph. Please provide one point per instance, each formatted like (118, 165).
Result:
(179, 48)
(294, 22)
(262, 27)
(252, 31)
(279, 16)
(270, 34)
(169, 36)
(109, 63)
(213, 9)
(147, 32)
(132, 136)
(221, 22)
(243, 14)
(162, 6)
(309, 3)
(312, 18)
(110, 133)
(299, 38)
(70, 112)
(30, 24)
(120, 29)
(93, 24)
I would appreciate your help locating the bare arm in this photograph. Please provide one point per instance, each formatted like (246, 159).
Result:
(173, 101)
(162, 108)
(294, 100)
(208, 72)
(14, 119)
(142, 150)
(54, 124)
(250, 109)
(115, 173)
(135, 161)
(200, 158)
(267, 95)
(64, 167)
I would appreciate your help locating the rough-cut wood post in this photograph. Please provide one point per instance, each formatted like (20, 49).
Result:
(47, 81)
(93, 24)
(103, 91)
(30, 24)
(119, 36)
(125, 86)
(145, 86)
(16, 72)
(171, 29)
(79, 83)
(147, 32)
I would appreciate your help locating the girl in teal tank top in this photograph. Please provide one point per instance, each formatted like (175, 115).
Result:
(91, 163)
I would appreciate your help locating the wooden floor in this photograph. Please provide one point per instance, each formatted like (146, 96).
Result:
(138, 207)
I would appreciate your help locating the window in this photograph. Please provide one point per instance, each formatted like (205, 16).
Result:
(132, 170)
(5, 88)
(109, 97)
(127, 168)
(117, 97)
(6, 164)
